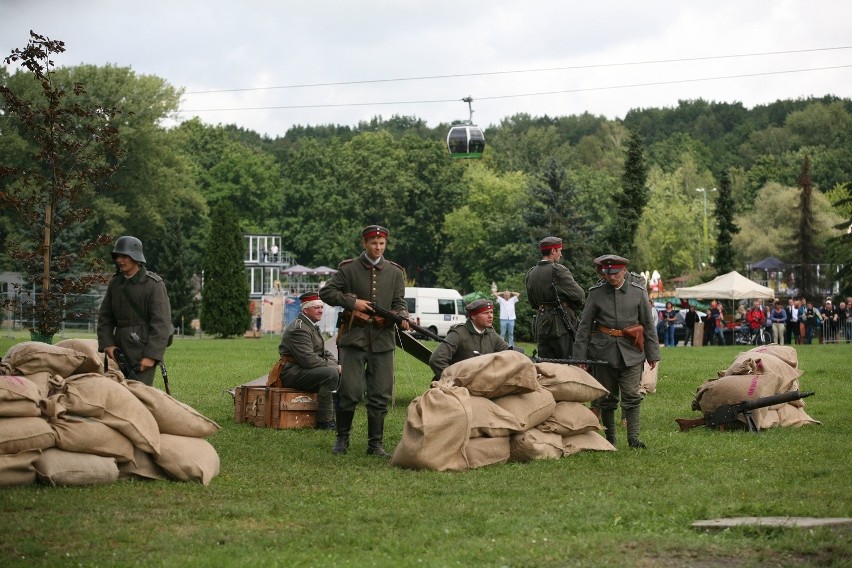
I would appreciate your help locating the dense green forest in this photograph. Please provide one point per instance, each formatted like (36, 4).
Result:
(466, 223)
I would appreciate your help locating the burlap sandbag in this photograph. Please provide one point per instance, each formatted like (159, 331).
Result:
(18, 469)
(188, 459)
(143, 466)
(747, 363)
(90, 436)
(586, 441)
(18, 397)
(792, 415)
(733, 389)
(58, 467)
(531, 408)
(786, 353)
(46, 382)
(570, 418)
(25, 433)
(33, 357)
(94, 362)
(490, 420)
(493, 375)
(487, 451)
(569, 383)
(436, 432)
(533, 444)
(172, 416)
(648, 383)
(110, 402)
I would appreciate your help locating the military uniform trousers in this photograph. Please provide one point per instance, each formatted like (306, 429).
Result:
(621, 383)
(365, 372)
(321, 380)
(556, 347)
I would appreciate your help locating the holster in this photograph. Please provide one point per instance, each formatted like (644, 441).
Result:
(636, 333)
(273, 379)
(362, 319)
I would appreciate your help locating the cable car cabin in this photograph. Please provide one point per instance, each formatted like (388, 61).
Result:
(465, 141)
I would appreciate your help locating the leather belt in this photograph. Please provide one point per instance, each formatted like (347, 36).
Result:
(610, 331)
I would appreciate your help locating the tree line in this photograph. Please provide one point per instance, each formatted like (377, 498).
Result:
(625, 185)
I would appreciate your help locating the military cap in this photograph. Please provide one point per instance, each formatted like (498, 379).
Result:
(549, 243)
(372, 231)
(310, 300)
(479, 306)
(610, 263)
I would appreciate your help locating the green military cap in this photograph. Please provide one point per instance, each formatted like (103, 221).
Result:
(610, 263)
(479, 306)
(548, 243)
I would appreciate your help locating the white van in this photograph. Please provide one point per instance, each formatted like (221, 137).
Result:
(436, 309)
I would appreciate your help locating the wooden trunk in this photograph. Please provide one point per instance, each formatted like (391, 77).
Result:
(292, 409)
(251, 404)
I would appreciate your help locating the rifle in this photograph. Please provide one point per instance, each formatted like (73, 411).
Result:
(568, 361)
(727, 413)
(165, 377)
(124, 365)
(398, 319)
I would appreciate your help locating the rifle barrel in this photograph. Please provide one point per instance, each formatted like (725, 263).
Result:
(399, 319)
(775, 399)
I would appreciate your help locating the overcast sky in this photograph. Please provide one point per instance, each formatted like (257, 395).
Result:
(338, 59)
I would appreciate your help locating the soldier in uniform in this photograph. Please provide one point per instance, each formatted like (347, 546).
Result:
(307, 365)
(135, 315)
(366, 341)
(618, 327)
(474, 337)
(554, 295)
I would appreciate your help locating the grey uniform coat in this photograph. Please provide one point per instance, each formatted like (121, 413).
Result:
(541, 296)
(136, 316)
(463, 342)
(616, 308)
(303, 341)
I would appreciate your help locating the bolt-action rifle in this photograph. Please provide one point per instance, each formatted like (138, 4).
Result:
(727, 414)
(398, 319)
(128, 370)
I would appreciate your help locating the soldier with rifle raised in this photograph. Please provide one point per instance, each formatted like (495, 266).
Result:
(555, 297)
(617, 326)
(474, 337)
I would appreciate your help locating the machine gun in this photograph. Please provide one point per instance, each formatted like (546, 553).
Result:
(727, 414)
(398, 319)
(128, 370)
(568, 361)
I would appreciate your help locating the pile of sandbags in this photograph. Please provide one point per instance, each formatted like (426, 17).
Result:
(65, 420)
(763, 371)
(497, 408)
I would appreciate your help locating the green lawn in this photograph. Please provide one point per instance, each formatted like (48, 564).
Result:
(283, 499)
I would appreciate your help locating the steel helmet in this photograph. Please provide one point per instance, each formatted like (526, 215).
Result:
(130, 246)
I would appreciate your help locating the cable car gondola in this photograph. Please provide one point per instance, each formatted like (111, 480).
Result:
(465, 140)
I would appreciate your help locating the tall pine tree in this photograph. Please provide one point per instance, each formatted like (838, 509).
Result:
(225, 296)
(177, 269)
(631, 201)
(807, 250)
(725, 210)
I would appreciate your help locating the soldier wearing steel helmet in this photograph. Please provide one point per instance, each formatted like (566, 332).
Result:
(618, 327)
(135, 315)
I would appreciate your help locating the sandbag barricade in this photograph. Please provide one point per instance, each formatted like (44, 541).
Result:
(62, 422)
(497, 408)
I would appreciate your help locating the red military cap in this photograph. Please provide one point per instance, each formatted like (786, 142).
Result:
(478, 306)
(549, 243)
(372, 231)
(610, 263)
(310, 300)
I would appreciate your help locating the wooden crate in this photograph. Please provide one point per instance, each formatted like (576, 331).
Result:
(292, 409)
(251, 404)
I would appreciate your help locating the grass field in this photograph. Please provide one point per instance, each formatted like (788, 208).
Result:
(282, 498)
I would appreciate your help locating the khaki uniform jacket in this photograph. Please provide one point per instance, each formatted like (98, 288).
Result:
(150, 320)
(382, 283)
(303, 341)
(616, 309)
(461, 342)
(549, 322)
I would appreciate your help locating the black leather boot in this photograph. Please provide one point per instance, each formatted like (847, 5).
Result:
(375, 432)
(608, 419)
(633, 423)
(344, 427)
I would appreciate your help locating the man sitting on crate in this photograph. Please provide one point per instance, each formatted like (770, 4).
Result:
(305, 363)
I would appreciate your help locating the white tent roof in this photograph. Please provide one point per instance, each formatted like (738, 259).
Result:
(730, 286)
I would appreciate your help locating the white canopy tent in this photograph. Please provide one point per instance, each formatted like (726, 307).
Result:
(730, 286)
